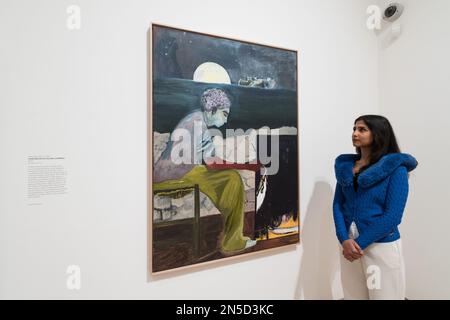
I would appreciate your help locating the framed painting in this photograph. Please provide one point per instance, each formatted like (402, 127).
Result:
(223, 148)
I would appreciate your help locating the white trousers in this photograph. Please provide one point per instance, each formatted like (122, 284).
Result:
(378, 275)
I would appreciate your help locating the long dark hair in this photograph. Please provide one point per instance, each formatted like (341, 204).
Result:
(384, 141)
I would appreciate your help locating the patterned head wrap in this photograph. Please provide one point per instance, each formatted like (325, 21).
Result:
(214, 99)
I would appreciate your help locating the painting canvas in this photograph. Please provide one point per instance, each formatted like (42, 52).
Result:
(224, 178)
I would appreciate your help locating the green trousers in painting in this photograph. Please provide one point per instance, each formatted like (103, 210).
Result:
(226, 190)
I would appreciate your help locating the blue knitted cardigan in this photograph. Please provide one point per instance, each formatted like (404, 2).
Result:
(377, 205)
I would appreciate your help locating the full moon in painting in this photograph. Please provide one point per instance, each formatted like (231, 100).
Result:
(211, 72)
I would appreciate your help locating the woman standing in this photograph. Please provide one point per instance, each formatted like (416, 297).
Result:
(371, 194)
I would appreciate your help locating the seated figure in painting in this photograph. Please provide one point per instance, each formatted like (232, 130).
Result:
(184, 160)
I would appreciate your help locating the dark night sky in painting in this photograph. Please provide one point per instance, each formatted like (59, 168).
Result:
(178, 53)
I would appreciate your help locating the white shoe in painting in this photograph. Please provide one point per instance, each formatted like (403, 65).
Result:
(250, 243)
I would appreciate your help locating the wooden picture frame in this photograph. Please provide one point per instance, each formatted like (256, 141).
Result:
(220, 83)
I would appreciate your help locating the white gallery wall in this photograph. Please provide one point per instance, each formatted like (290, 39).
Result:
(414, 94)
(81, 95)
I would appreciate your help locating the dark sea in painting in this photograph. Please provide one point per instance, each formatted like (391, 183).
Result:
(251, 107)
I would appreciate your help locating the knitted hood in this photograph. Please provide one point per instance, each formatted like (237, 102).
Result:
(377, 172)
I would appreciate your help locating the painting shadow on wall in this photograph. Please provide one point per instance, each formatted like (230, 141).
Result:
(319, 270)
